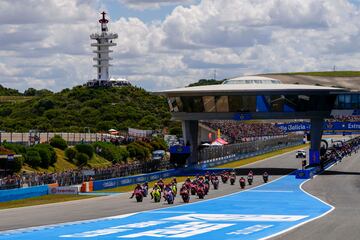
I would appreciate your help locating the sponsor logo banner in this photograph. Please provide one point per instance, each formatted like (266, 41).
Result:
(63, 190)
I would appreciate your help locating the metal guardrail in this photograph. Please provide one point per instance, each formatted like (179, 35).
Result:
(246, 152)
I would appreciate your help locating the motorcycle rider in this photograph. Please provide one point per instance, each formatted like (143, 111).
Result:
(242, 182)
(156, 187)
(207, 176)
(145, 188)
(185, 193)
(167, 190)
(250, 177)
(161, 184)
(137, 188)
(265, 176)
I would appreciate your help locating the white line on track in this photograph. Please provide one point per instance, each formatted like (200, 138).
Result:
(310, 220)
(272, 191)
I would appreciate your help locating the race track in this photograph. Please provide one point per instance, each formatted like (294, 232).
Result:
(121, 204)
(263, 212)
(340, 187)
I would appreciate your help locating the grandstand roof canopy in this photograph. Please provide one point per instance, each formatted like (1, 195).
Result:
(249, 84)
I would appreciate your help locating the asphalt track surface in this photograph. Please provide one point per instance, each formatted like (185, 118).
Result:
(340, 187)
(121, 204)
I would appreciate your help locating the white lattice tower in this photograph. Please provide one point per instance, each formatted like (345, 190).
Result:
(104, 41)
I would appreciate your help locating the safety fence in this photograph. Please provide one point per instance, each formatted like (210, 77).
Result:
(71, 138)
(214, 156)
(21, 193)
(124, 181)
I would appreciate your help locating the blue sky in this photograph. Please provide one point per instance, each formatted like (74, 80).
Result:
(170, 43)
(118, 10)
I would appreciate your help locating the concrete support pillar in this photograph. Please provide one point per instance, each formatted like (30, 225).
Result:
(316, 131)
(190, 133)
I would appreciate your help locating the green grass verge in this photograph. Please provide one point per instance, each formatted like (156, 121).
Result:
(151, 184)
(42, 200)
(326, 74)
(260, 157)
(98, 161)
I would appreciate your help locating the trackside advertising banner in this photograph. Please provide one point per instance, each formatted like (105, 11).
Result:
(63, 190)
(330, 126)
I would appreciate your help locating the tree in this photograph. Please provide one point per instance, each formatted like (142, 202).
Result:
(58, 142)
(81, 159)
(33, 158)
(85, 148)
(70, 153)
(47, 154)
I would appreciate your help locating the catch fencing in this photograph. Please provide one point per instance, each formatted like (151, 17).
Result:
(218, 155)
(71, 138)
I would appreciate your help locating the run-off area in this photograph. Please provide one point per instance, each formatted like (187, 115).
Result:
(254, 214)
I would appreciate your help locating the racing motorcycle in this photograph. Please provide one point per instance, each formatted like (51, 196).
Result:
(185, 195)
(169, 197)
(232, 179)
(139, 195)
(242, 183)
(157, 195)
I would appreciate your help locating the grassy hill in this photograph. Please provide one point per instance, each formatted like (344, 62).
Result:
(325, 74)
(62, 164)
(71, 110)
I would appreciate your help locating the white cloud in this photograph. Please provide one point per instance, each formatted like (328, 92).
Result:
(153, 4)
(48, 45)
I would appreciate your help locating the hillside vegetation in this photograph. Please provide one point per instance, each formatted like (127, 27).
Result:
(98, 109)
(325, 74)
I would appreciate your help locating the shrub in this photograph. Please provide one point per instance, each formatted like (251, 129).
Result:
(70, 153)
(111, 152)
(85, 148)
(81, 159)
(33, 158)
(138, 151)
(47, 154)
(124, 154)
(6, 151)
(17, 148)
(159, 144)
(58, 142)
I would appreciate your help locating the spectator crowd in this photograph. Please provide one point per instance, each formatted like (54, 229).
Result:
(244, 132)
(77, 176)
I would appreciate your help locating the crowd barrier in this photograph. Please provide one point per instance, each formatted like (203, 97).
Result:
(124, 181)
(235, 157)
(21, 193)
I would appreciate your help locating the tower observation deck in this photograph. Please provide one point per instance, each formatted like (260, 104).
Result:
(104, 40)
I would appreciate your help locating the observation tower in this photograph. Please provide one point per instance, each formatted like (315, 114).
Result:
(104, 40)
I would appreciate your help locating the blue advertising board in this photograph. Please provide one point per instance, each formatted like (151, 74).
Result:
(294, 127)
(21, 193)
(123, 181)
(329, 126)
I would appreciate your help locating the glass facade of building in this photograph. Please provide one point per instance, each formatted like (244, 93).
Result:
(264, 103)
